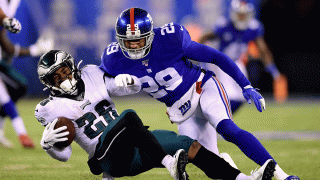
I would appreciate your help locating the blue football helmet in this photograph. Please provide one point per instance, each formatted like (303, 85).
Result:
(134, 24)
(241, 12)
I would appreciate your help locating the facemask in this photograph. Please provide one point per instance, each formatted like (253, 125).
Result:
(69, 86)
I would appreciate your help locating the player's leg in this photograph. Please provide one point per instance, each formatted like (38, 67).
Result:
(10, 109)
(126, 136)
(217, 168)
(225, 126)
(148, 143)
(198, 128)
(3, 139)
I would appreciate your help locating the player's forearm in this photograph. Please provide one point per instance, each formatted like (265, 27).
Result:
(203, 53)
(60, 155)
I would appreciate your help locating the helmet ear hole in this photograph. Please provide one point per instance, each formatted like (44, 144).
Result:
(134, 24)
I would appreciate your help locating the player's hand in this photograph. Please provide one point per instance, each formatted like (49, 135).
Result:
(42, 46)
(123, 80)
(251, 94)
(50, 135)
(12, 24)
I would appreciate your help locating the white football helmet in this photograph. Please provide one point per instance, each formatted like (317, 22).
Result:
(52, 61)
(241, 12)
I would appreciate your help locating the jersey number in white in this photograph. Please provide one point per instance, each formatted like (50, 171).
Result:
(93, 125)
(168, 78)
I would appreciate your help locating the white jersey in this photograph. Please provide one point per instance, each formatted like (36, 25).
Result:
(91, 113)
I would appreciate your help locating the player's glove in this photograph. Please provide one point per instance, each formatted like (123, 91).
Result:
(123, 80)
(251, 94)
(12, 24)
(50, 135)
(42, 46)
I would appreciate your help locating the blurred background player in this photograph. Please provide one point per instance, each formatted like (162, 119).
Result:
(13, 84)
(232, 35)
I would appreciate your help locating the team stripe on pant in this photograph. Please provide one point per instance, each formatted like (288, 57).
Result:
(223, 96)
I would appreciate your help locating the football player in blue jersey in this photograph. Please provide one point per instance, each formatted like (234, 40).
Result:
(196, 101)
(232, 36)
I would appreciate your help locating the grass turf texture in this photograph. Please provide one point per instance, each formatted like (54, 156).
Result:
(296, 157)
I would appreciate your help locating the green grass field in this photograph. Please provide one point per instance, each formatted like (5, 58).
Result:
(296, 157)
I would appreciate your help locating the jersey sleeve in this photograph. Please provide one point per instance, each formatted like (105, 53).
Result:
(203, 53)
(42, 112)
(182, 35)
(110, 58)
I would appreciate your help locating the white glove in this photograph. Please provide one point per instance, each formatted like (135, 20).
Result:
(123, 80)
(50, 136)
(42, 46)
(12, 24)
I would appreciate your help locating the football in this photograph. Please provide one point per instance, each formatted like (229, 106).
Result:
(62, 121)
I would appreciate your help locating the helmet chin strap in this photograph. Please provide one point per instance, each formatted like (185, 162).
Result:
(68, 86)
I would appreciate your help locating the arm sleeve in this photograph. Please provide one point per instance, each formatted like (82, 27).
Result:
(61, 155)
(203, 53)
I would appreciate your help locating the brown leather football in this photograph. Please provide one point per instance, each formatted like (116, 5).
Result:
(62, 121)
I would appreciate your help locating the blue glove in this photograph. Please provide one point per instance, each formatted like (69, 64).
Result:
(251, 94)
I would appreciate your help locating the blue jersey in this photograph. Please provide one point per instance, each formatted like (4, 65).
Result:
(234, 42)
(166, 73)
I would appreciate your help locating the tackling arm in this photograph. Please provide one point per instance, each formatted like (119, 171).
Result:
(203, 53)
(124, 84)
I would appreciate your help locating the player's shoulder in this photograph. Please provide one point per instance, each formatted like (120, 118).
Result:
(91, 69)
(43, 108)
(112, 51)
(172, 33)
(169, 30)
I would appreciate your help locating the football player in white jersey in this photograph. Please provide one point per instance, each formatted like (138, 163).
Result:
(117, 145)
(13, 85)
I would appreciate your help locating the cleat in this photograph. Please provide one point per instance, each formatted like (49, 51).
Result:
(177, 167)
(4, 142)
(265, 172)
(292, 178)
(26, 141)
(227, 158)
